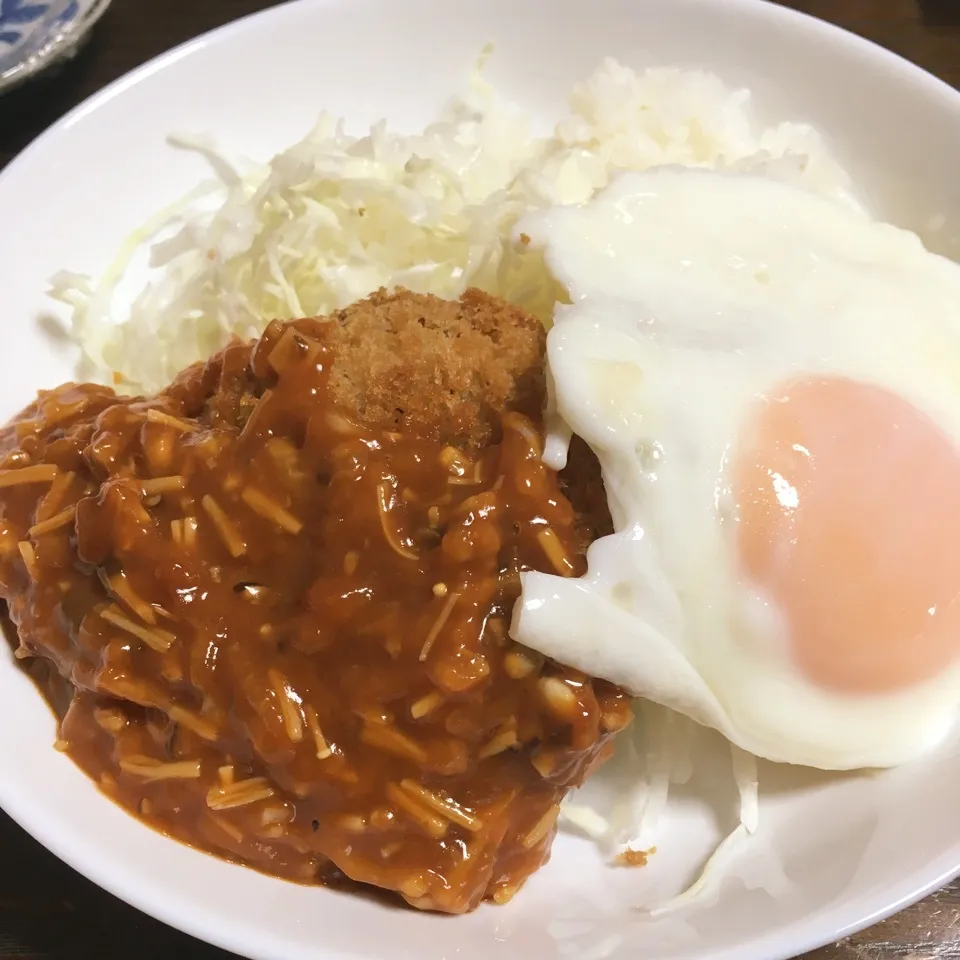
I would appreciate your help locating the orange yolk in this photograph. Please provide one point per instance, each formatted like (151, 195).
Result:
(849, 521)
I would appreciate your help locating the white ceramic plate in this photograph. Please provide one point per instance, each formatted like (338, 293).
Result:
(837, 853)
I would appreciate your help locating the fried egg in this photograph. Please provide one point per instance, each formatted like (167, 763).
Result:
(771, 382)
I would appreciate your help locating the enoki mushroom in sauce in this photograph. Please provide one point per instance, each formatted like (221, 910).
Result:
(287, 632)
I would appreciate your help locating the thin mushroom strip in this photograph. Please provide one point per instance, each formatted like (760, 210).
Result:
(313, 724)
(438, 624)
(158, 416)
(40, 473)
(147, 768)
(554, 550)
(159, 640)
(225, 527)
(270, 510)
(541, 828)
(289, 705)
(385, 504)
(239, 794)
(120, 587)
(431, 822)
(62, 519)
(51, 502)
(161, 485)
(445, 806)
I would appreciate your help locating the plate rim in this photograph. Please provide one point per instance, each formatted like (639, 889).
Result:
(71, 851)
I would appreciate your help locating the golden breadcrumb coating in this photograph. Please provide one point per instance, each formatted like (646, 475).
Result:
(442, 369)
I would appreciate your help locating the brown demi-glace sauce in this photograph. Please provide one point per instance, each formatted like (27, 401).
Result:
(288, 632)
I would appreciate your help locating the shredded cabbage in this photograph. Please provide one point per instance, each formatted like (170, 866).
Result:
(648, 761)
(717, 866)
(334, 217)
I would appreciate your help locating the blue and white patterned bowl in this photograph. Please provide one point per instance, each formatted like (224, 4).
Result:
(34, 33)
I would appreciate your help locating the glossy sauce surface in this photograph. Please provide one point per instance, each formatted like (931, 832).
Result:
(288, 632)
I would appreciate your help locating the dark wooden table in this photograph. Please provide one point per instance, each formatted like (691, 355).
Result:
(48, 912)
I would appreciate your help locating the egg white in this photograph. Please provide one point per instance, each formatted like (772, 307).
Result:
(693, 294)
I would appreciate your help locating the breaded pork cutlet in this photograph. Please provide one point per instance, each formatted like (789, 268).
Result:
(280, 591)
(448, 370)
(442, 369)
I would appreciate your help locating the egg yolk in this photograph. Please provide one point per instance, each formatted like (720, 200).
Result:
(849, 521)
